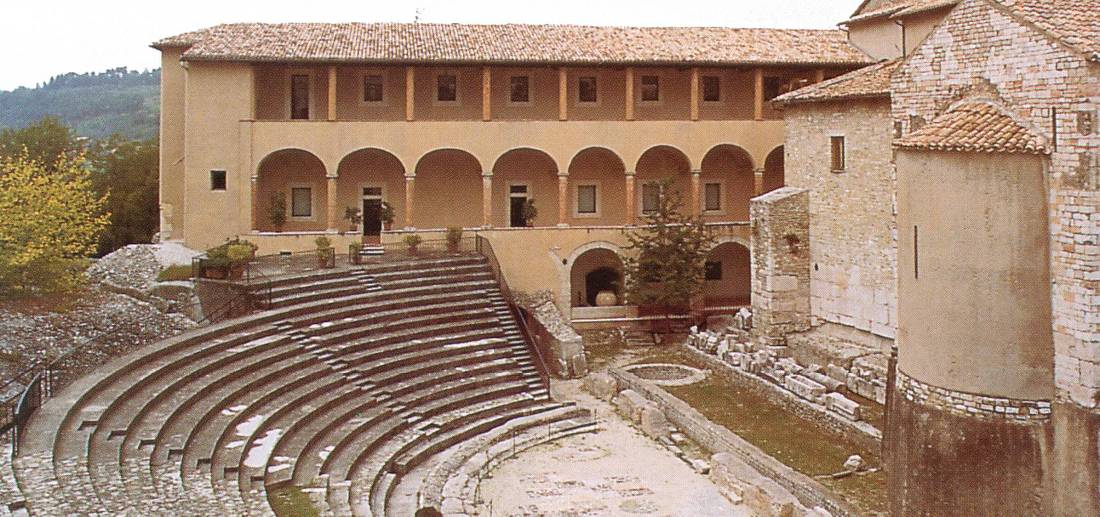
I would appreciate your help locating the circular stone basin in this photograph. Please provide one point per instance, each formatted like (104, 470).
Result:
(667, 374)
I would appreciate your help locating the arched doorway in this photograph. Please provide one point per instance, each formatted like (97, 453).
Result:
(728, 279)
(523, 175)
(773, 170)
(367, 178)
(447, 190)
(597, 188)
(593, 272)
(295, 180)
(727, 184)
(657, 164)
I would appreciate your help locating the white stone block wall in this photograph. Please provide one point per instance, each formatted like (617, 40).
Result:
(853, 245)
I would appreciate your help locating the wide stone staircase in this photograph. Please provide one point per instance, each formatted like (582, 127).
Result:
(363, 391)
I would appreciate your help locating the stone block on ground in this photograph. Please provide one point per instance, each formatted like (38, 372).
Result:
(578, 366)
(843, 406)
(653, 422)
(700, 466)
(601, 385)
(830, 383)
(805, 387)
(740, 482)
(630, 404)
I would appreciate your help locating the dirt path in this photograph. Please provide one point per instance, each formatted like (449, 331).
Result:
(617, 471)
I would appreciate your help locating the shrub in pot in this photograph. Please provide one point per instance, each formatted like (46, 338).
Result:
(454, 239)
(324, 252)
(387, 215)
(413, 241)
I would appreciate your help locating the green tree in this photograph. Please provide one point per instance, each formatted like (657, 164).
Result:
(52, 220)
(45, 142)
(127, 174)
(668, 262)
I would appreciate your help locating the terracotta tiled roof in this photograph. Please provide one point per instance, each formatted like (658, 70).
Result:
(869, 82)
(898, 8)
(975, 126)
(559, 44)
(1074, 22)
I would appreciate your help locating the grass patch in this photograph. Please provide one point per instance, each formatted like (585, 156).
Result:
(291, 502)
(174, 273)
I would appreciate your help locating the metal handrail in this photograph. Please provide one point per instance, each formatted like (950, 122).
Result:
(485, 248)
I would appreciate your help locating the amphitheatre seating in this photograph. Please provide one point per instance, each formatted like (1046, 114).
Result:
(354, 386)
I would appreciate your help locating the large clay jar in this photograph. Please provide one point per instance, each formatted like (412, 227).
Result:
(606, 299)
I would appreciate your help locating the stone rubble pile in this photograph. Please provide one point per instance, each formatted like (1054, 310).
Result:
(825, 386)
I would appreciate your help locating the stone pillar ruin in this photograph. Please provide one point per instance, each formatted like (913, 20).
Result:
(780, 263)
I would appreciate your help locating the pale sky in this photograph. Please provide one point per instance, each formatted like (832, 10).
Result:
(49, 37)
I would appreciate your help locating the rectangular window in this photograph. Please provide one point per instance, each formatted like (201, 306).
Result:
(299, 97)
(773, 87)
(372, 192)
(837, 152)
(586, 199)
(372, 88)
(713, 270)
(651, 197)
(217, 180)
(651, 88)
(446, 88)
(520, 89)
(301, 202)
(712, 198)
(712, 88)
(586, 89)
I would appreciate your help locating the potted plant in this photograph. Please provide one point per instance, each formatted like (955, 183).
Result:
(324, 252)
(276, 210)
(454, 239)
(354, 216)
(387, 215)
(530, 212)
(354, 253)
(238, 255)
(412, 241)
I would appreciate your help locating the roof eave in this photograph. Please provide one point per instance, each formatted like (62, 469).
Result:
(459, 62)
(836, 98)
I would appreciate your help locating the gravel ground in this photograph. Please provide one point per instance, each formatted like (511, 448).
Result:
(31, 329)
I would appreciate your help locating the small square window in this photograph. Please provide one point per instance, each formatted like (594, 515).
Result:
(713, 270)
(521, 89)
(587, 90)
(372, 88)
(837, 153)
(301, 202)
(651, 197)
(446, 88)
(712, 201)
(773, 87)
(712, 88)
(217, 180)
(586, 199)
(651, 88)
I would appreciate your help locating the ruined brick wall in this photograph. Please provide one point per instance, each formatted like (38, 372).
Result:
(780, 263)
(982, 50)
(853, 240)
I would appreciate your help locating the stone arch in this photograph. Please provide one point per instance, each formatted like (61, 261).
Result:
(599, 268)
(731, 167)
(371, 167)
(447, 190)
(733, 284)
(774, 170)
(603, 168)
(537, 172)
(659, 163)
(286, 173)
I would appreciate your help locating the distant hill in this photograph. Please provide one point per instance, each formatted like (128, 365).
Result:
(94, 104)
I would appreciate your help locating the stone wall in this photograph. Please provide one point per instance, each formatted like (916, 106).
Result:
(853, 235)
(983, 50)
(780, 263)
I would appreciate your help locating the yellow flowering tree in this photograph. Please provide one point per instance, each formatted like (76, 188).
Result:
(50, 221)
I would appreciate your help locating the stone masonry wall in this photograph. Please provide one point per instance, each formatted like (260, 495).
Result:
(780, 263)
(853, 231)
(982, 50)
